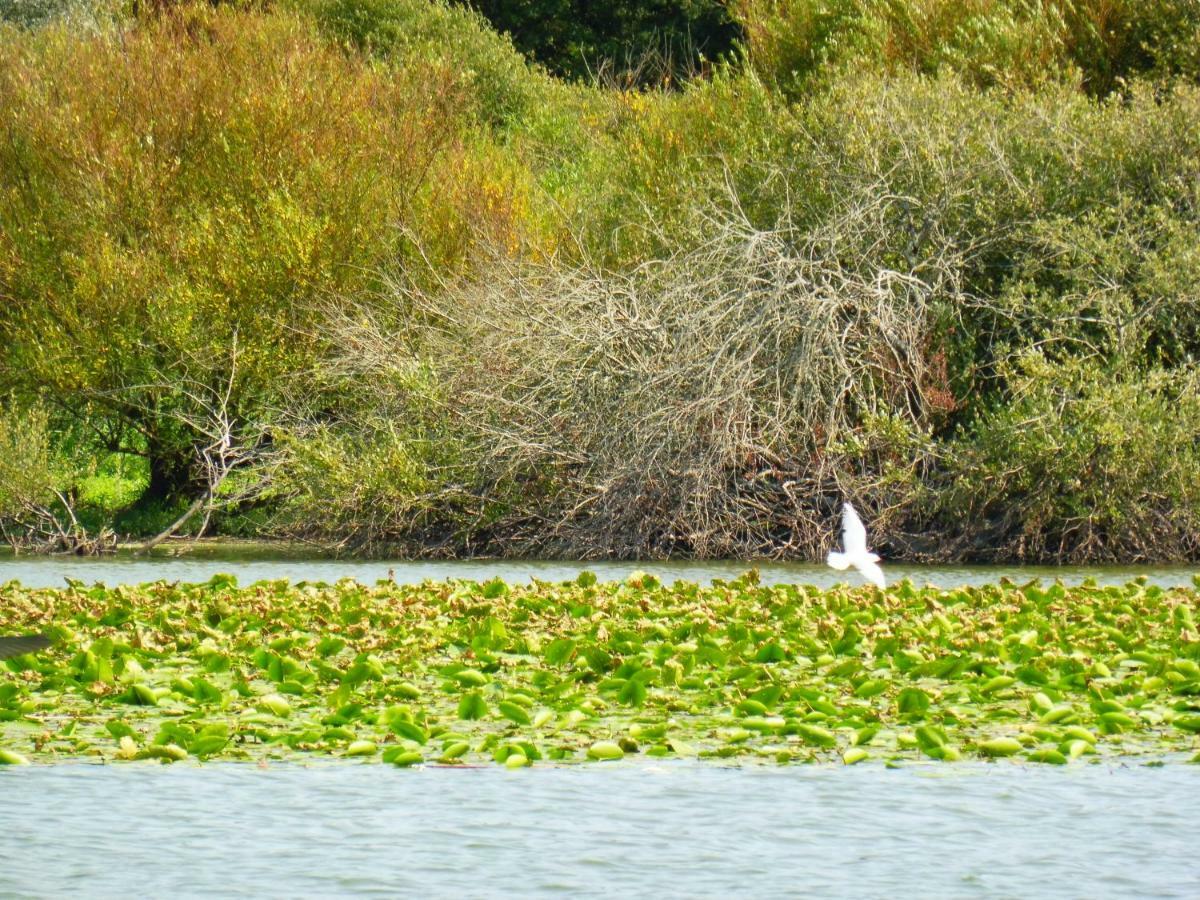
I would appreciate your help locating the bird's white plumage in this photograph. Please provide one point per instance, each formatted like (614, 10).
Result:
(872, 571)
(854, 532)
(854, 549)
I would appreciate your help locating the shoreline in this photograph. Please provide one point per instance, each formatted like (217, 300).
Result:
(252, 549)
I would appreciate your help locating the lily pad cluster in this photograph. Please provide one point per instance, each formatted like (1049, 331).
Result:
(462, 672)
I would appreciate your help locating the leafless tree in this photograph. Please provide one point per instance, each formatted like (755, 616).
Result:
(718, 401)
(226, 443)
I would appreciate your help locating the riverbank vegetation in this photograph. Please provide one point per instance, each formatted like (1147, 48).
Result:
(360, 272)
(461, 672)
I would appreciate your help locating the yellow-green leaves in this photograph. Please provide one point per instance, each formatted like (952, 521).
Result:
(12, 758)
(854, 755)
(275, 704)
(605, 750)
(568, 672)
(472, 706)
(513, 712)
(1002, 746)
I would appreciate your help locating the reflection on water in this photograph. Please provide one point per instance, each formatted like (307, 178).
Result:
(988, 830)
(52, 571)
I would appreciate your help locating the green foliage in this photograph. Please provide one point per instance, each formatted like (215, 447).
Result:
(792, 42)
(486, 68)
(1042, 219)
(1082, 463)
(1079, 216)
(635, 40)
(370, 484)
(255, 218)
(655, 161)
(54, 495)
(176, 205)
(1098, 44)
(450, 672)
(109, 486)
(29, 473)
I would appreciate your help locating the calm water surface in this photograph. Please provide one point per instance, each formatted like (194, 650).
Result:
(249, 567)
(670, 830)
(674, 830)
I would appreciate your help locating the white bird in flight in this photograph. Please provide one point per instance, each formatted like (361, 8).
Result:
(854, 549)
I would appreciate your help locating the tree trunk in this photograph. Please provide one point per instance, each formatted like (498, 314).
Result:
(172, 477)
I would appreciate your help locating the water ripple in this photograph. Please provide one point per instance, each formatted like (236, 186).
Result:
(675, 830)
(113, 570)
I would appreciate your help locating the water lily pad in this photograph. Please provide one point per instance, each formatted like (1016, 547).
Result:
(605, 750)
(472, 706)
(1003, 746)
(513, 712)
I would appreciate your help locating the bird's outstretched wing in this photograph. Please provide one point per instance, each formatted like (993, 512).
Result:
(871, 571)
(22, 643)
(854, 533)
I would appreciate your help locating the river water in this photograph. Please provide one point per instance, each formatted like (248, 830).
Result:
(627, 829)
(52, 571)
(676, 830)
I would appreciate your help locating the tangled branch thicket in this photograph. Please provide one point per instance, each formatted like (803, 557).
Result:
(717, 402)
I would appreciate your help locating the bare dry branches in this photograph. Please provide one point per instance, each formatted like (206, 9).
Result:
(716, 402)
(226, 442)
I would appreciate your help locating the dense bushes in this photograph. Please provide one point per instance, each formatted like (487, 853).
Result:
(637, 41)
(663, 384)
(177, 199)
(715, 401)
(1081, 463)
(490, 75)
(423, 294)
(1099, 44)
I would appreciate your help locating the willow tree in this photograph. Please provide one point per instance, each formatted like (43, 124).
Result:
(173, 202)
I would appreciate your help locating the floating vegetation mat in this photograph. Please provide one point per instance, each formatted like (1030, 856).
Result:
(464, 673)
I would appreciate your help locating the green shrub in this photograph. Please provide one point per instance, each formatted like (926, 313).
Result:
(634, 185)
(372, 484)
(177, 204)
(637, 41)
(1080, 463)
(1097, 44)
(498, 82)
(1061, 203)
(29, 473)
(792, 43)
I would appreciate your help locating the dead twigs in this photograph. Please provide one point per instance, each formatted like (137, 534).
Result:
(715, 402)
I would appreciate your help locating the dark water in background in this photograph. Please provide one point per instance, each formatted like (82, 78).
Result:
(673, 830)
